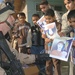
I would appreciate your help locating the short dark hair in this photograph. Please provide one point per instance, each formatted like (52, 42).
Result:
(44, 2)
(36, 15)
(71, 14)
(70, 0)
(22, 14)
(49, 12)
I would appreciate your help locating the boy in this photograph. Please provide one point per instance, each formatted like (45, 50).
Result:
(20, 33)
(71, 19)
(44, 5)
(49, 18)
(37, 41)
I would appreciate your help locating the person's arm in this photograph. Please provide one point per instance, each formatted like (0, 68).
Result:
(2, 71)
(28, 58)
(31, 58)
(72, 35)
(47, 40)
(58, 16)
(43, 36)
(65, 23)
(29, 36)
(29, 41)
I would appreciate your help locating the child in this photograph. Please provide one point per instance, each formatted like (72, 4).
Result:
(37, 41)
(49, 18)
(20, 32)
(71, 19)
(44, 5)
(70, 5)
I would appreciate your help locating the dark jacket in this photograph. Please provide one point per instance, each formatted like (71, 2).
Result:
(37, 40)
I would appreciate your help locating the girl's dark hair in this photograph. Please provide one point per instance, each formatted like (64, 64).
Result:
(50, 12)
(36, 15)
(71, 14)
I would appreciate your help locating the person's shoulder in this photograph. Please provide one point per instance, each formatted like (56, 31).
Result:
(32, 27)
(27, 23)
(65, 14)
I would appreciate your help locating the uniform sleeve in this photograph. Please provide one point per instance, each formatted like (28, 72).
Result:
(26, 59)
(2, 71)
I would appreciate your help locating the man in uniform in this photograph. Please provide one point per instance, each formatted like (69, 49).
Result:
(6, 23)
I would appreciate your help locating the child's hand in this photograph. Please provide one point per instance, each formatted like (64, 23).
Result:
(21, 36)
(61, 34)
(43, 36)
(41, 30)
(47, 40)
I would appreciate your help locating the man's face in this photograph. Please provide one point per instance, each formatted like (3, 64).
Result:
(4, 27)
(69, 4)
(49, 19)
(44, 8)
(72, 22)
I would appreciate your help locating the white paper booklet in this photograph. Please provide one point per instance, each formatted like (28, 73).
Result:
(51, 30)
(41, 22)
(61, 48)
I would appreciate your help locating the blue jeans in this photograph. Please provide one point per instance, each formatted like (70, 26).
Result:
(37, 49)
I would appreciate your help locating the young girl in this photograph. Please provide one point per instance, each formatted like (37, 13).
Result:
(70, 5)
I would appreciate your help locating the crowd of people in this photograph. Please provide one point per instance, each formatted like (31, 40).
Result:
(29, 42)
